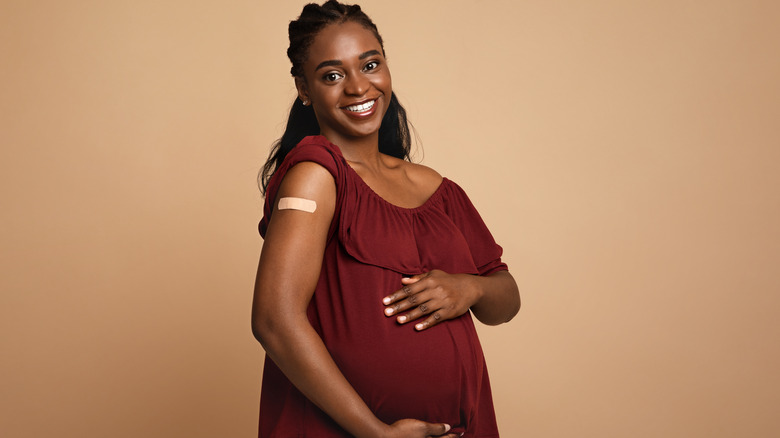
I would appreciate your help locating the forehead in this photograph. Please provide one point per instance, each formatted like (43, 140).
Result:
(342, 42)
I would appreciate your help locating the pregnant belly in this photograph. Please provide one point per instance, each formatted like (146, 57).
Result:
(401, 373)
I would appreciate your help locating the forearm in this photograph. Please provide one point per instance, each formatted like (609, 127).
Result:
(300, 353)
(499, 299)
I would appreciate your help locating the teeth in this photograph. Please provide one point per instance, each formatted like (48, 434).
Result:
(362, 107)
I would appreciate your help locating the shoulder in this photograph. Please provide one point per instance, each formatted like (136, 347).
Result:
(307, 178)
(311, 160)
(316, 149)
(427, 179)
(419, 175)
(423, 174)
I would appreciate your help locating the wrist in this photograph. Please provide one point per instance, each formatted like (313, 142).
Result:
(373, 428)
(479, 288)
(376, 429)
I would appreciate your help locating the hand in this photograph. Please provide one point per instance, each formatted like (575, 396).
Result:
(436, 293)
(418, 429)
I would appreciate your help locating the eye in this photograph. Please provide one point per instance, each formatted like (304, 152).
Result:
(332, 76)
(371, 65)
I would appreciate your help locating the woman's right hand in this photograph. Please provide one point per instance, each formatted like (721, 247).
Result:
(409, 428)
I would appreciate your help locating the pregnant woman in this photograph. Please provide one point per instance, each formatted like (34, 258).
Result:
(372, 266)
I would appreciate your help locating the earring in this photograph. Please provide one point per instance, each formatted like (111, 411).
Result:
(305, 103)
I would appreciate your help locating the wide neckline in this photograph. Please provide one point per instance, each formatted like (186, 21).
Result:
(423, 206)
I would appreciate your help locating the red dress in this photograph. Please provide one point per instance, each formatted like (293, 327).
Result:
(437, 375)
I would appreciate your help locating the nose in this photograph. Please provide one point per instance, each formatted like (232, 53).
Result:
(356, 84)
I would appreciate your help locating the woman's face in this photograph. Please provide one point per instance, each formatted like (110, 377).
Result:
(347, 82)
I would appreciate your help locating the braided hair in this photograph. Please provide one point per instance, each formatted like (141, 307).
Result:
(394, 135)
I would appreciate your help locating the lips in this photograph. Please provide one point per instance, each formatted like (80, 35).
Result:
(361, 107)
(361, 110)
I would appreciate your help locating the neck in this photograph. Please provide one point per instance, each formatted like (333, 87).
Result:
(360, 150)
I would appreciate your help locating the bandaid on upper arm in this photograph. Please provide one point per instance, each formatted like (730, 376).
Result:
(301, 204)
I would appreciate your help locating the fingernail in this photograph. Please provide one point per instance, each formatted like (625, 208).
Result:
(402, 318)
(419, 326)
(386, 300)
(447, 428)
(389, 311)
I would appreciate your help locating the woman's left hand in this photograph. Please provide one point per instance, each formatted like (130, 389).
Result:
(436, 295)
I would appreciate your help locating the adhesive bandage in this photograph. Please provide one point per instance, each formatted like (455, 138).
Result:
(306, 205)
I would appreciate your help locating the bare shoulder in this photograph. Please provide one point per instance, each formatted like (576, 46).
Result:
(423, 176)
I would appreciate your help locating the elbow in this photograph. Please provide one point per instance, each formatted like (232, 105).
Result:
(506, 313)
(514, 308)
(275, 331)
(510, 305)
(511, 308)
(264, 327)
(261, 330)
(514, 301)
(502, 305)
(514, 304)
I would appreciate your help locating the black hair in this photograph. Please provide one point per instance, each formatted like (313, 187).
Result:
(394, 134)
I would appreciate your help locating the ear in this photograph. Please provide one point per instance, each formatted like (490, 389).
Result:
(303, 91)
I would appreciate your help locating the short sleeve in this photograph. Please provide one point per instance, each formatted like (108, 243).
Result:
(314, 149)
(485, 252)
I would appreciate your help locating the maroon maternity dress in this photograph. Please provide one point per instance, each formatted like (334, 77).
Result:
(437, 375)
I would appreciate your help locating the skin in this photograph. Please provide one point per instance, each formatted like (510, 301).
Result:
(354, 71)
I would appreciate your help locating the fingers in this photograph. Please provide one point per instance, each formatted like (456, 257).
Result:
(412, 280)
(429, 322)
(403, 300)
(405, 291)
(426, 308)
(417, 302)
(419, 298)
(438, 430)
(408, 427)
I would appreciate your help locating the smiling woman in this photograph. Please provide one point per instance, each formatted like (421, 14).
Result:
(347, 82)
(363, 304)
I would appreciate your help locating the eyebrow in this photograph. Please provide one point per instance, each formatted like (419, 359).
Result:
(333, 62)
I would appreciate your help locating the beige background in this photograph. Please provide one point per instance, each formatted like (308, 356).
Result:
(625, 154)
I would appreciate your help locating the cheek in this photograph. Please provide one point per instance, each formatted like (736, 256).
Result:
(385, 84)
(324, 97)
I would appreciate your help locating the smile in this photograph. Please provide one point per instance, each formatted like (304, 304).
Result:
(359, 108)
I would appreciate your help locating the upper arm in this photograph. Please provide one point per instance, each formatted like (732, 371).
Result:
(294, 245)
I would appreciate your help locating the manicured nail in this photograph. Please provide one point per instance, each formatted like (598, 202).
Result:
(386, 300)
(402, 318)
(447, 428)
(419, 326)
(388, 311)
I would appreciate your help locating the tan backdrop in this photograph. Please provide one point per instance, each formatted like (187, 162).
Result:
(625, 154)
